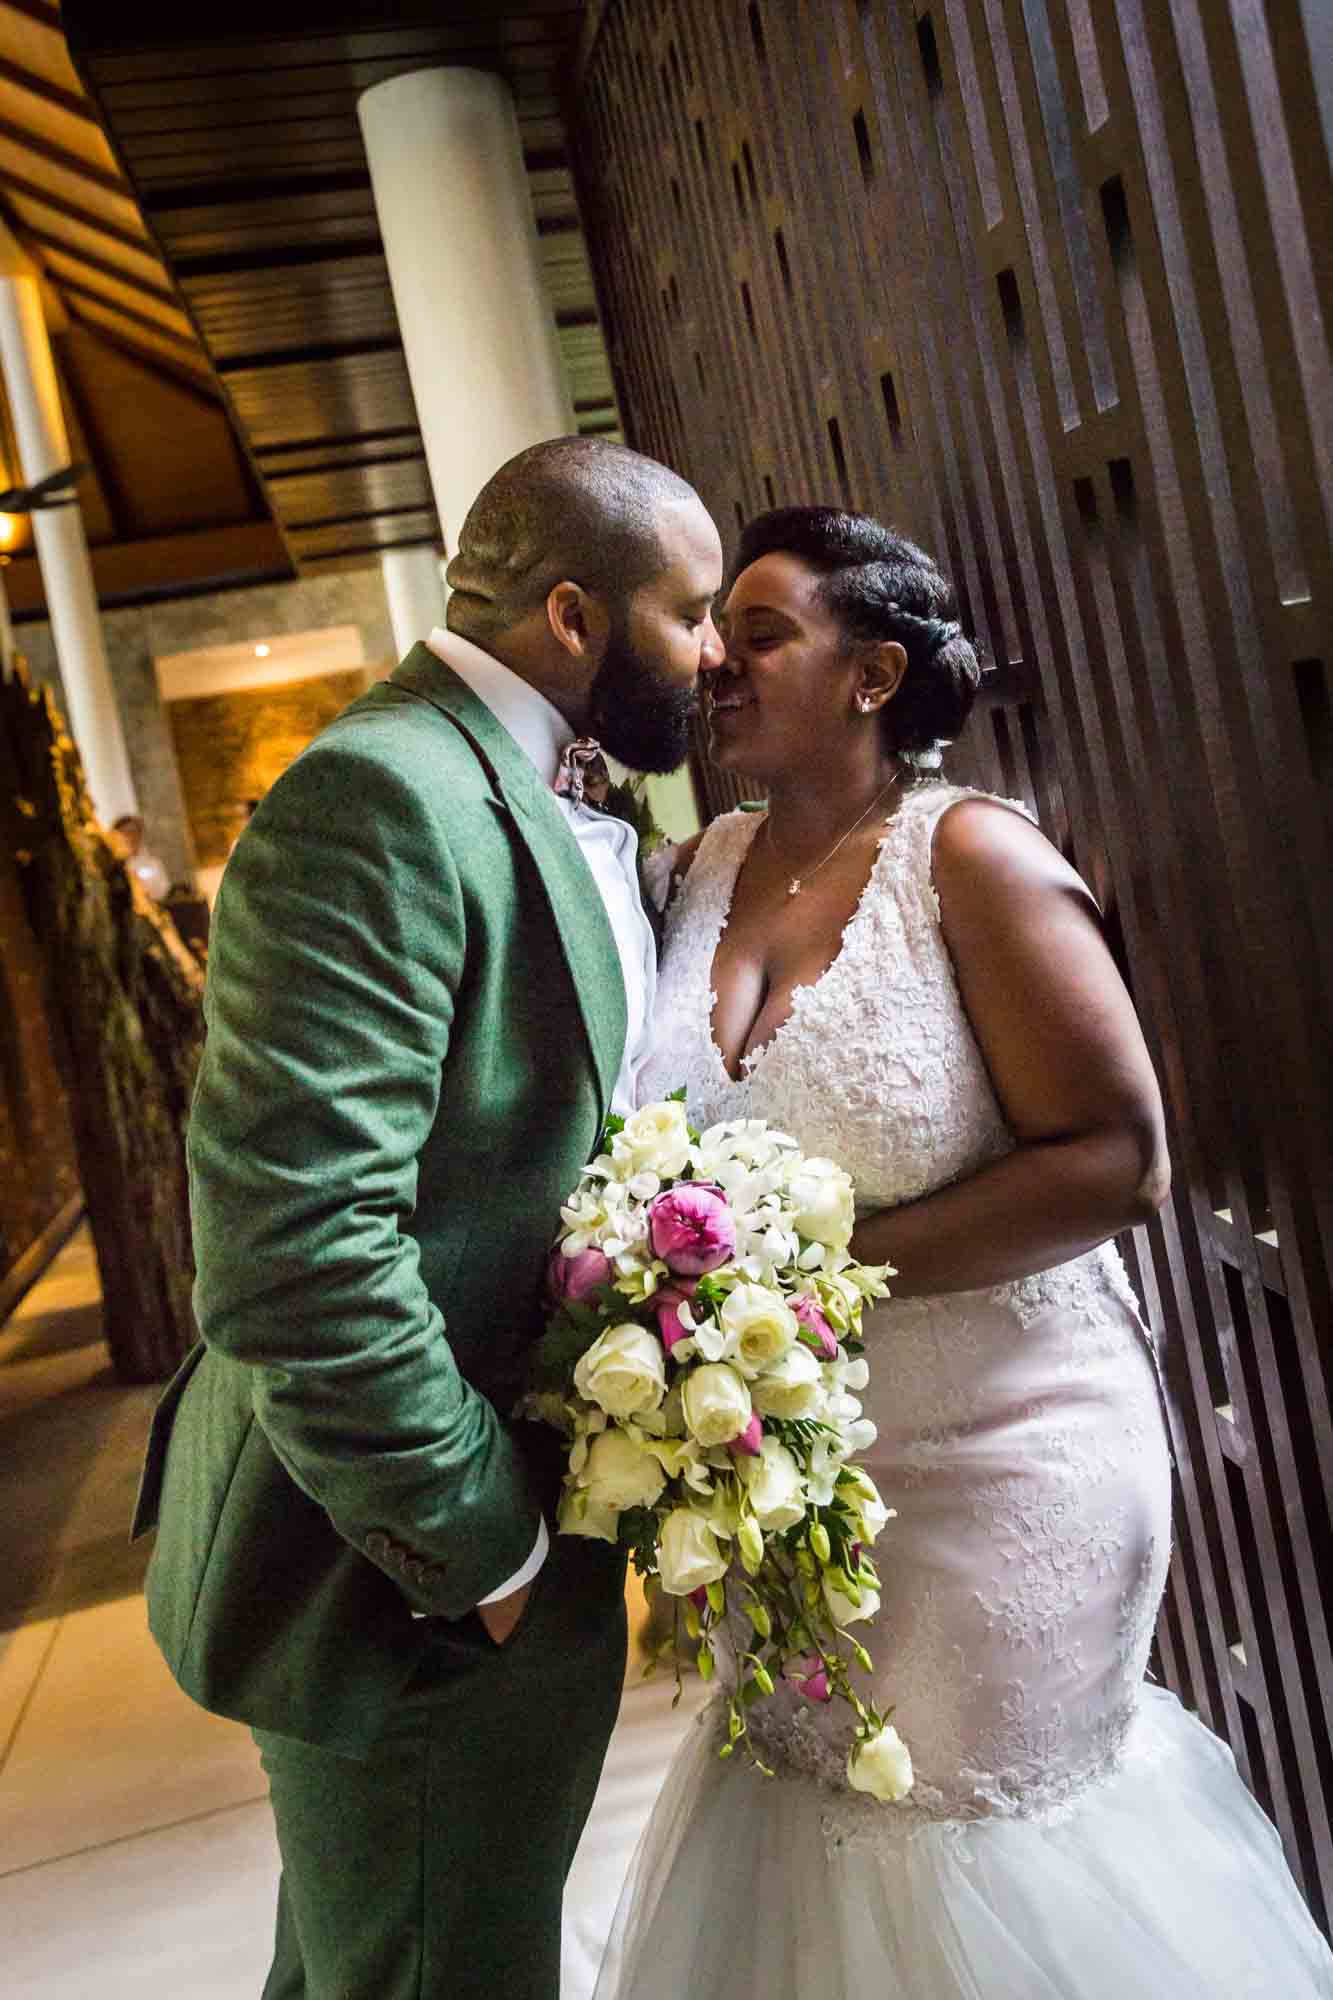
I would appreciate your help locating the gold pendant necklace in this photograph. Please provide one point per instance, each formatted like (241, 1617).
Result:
(798, 882)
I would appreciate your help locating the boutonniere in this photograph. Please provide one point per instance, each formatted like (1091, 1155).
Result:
(629, 801)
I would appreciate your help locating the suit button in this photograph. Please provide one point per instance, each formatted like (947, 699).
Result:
(377, 1544)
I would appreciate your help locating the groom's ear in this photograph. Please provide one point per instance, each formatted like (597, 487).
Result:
(578, 621)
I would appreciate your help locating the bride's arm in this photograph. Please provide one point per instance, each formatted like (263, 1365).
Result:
(1066, 1057)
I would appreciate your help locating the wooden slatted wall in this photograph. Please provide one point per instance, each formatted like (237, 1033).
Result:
(1043, 283)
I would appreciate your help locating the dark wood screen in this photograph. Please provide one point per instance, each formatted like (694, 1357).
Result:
(1042, 282)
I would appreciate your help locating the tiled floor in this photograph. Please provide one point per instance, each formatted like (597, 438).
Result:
(71, 1439)
(136, 1845)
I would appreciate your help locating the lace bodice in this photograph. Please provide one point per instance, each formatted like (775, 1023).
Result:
(1020, 1433)
(876, 1065)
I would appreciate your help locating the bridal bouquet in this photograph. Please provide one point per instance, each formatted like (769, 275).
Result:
(703, 1360)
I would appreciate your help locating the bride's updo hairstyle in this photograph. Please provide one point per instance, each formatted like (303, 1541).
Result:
(881, 586)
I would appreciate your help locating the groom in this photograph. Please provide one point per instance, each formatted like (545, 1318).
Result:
(429, 979)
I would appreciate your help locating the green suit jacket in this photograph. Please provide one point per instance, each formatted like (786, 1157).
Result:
(415, 1017)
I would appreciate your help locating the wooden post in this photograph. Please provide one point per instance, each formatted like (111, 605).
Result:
(126, 1002)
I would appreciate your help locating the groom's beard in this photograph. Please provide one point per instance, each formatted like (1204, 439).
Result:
(640, 719)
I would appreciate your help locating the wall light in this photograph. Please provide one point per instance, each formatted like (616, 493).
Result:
(10, 527)
(262, 652)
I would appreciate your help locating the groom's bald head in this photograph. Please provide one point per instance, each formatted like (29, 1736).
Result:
(576, 509)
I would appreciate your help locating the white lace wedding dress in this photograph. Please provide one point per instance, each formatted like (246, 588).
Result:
(1074, 1834)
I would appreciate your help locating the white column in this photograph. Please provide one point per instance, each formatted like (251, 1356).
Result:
(62, 548)
(455, 213)
(415, 590)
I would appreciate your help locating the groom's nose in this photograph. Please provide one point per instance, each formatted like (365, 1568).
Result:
(714, 651)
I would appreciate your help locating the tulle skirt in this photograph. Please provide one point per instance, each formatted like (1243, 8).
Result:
(1163, 1882)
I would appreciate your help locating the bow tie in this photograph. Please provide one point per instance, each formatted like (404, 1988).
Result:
(582, 771)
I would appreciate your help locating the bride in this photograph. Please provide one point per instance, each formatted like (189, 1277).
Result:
(907, 977)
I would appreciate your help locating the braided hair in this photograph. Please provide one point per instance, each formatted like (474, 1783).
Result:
(879, 586)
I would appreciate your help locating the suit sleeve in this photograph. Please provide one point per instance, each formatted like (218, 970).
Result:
(337, 953)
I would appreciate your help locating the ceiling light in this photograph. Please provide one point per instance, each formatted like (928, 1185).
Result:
(262, 652)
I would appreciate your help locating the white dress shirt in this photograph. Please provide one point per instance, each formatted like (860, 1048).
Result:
(610, 848)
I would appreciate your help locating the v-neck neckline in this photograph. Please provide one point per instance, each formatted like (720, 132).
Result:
(801, 994)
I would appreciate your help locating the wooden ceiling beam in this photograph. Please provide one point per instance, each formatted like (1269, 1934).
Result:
(124, 38)
(282, 257)
(295, 527)
(308, 88)
(44, 12)
(72, 101)
(368, 549)
(162, 328)
(105, 265)
(218, 194)
(348, 440)
(34, 191)
(300, 256)
(331, 350)
(321, 468)
(184, 565)
(226, 193)
(71, 163)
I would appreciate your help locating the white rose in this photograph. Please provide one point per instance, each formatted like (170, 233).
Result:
(842, 1608)
(859, 1492)
(882, 1766)
(655, 1140)
(820, 1195)
(624, 1371)
(762, 1325)
(620, 1473)
(716, 1403)
(776, 1488)
(793, 1387)
(581, 1516)
(688, 1554)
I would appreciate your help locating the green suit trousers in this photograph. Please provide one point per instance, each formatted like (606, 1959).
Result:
(432, 1868)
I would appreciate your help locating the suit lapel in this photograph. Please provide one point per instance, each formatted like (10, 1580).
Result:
(577, 909)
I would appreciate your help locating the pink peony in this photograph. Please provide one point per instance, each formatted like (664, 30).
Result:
(691, 1228)
(750, 1439)
(811, 1315)
(809, 1676)
(577, 1277)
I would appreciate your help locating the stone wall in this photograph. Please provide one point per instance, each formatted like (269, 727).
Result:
(137, 634)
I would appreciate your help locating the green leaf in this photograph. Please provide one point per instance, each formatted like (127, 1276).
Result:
(637, 1527)
(568, 1336)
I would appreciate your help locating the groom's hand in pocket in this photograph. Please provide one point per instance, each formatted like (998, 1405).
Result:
(501, 1617)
